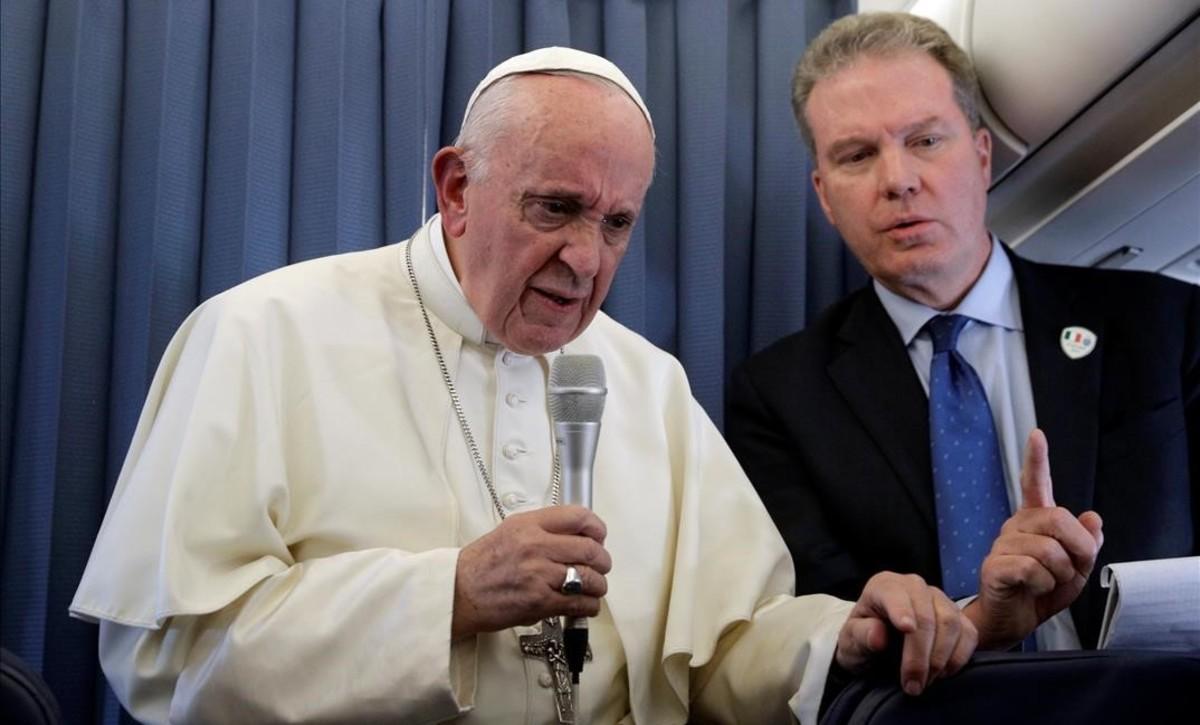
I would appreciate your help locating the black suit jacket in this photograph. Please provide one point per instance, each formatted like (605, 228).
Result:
(831, 425)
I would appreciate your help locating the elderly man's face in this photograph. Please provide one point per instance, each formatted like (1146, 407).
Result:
(902, 176)
(536, 242)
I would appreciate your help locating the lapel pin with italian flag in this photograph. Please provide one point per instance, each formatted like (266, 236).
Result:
(1077, 341)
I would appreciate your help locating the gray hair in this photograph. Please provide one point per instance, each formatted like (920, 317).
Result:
(495, 113)
(855, 36)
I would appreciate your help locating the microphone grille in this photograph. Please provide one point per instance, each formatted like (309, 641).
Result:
(577, 389)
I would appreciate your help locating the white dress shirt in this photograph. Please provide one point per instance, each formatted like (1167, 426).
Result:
(993, 342)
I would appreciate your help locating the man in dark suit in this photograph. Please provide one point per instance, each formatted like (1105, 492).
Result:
(834, 424)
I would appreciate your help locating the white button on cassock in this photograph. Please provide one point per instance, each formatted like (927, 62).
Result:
(512, 500)
(513, 400)
(512, 451)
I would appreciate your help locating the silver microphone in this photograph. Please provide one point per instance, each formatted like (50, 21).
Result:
(576, 398)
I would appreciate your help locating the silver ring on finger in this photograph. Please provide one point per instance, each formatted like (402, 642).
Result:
(572, 583)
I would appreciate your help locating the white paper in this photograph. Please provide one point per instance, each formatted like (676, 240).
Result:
(1152, 605)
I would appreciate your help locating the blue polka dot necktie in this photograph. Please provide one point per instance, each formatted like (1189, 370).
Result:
(970, 497)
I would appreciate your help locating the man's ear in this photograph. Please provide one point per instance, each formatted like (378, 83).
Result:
(450, 181)
(983, 147)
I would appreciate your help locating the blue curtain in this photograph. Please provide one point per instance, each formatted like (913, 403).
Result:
(156, 153)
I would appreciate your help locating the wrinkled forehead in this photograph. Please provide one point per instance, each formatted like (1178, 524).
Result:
(580, 126)
(569, 131)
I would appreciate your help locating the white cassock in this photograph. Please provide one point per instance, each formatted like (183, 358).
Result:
(281, 543)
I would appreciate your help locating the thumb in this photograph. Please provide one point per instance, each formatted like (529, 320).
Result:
(1095, 526)
(1036, 488)
(861, 639)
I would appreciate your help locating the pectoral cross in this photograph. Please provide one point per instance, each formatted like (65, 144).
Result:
(547, 645)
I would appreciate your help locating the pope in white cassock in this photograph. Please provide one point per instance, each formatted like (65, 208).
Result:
(339, 503)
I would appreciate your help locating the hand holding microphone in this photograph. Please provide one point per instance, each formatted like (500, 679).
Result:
(576, 398)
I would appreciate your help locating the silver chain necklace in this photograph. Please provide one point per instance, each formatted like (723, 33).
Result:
(457, 404)
(547, 644)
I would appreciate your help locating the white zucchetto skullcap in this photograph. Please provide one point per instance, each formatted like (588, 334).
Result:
(559, 59)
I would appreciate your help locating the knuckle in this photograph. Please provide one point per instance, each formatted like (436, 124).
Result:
(1055, 569)
(1061, 518)
(581, 519)
(1026, 569)
(925, 621)
(1064, 574)
(521, 523)
(938, 661)
(881, 577)
(949, 620)
(583, 606)
(1046, 548)
(1019, 564)
(593, 554)
(602, 562)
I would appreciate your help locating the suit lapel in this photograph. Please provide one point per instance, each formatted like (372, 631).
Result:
(1066, 400)
(1066, 392)
(874, 374)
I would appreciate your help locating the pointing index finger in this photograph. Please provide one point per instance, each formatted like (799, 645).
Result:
(1036, 488)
